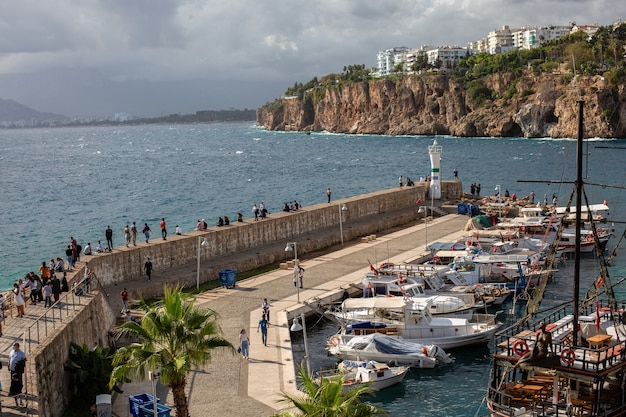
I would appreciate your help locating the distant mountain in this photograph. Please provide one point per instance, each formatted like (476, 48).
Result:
(13, 112)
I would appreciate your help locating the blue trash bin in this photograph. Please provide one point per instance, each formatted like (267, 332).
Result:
(136, 401)
(228, 277)
(147, 410)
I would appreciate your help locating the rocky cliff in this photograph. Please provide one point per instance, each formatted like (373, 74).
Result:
(530, 106)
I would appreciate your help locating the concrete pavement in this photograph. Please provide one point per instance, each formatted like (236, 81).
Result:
(230, 385)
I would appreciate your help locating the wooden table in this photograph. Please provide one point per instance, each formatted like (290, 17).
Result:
(599, 341)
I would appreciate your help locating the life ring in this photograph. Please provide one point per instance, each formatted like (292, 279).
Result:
(496, 292)
(568, 356)
(523, 228)
(589, 237)
(334, 341)
(520, 347)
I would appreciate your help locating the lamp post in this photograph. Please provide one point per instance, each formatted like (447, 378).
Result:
(154, 377)
(341, 208)
(424, 211)
(293, 246)
(499, 201)
(201, 242)
(296, 327)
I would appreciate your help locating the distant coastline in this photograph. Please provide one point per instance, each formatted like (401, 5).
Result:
(202, 116)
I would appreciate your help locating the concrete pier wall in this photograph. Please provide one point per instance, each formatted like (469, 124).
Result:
(241, 246)
(365, 214)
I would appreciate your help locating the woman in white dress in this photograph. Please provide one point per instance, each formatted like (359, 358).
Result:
(18, 298)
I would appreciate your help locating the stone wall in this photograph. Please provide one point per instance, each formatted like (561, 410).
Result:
(366, 214)
(89, 326)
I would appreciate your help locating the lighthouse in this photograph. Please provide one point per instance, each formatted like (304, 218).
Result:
(435, 170)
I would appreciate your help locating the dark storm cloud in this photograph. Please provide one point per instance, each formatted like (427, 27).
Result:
(94, 57)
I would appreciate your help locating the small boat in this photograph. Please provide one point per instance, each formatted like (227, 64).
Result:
(387, 349)
(376, 374)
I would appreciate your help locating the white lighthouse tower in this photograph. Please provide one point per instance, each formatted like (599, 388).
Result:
(435, 170)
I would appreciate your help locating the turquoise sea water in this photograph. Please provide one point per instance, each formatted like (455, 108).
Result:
(57, 183)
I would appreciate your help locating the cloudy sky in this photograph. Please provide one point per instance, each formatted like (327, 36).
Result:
(151, 57)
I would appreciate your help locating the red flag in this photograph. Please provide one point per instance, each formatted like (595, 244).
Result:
(419, 200)
(597, 316)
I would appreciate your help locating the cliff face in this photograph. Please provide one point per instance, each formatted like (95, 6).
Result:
(542, 106)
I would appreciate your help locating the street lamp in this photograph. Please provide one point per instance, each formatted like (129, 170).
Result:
(424, 211)
(341, 207)
(201, 242)
(293, 246)
(296, 327)
(154, 377)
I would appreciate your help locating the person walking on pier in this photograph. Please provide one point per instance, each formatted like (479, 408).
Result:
(17, 365)
(263, 325)
(133, 231)
(148, 268)
(127, 235)
(328, 193)
(109, 235)
(400, 180)
(244, 344)
(265, 305)
(124, 295)
(146, 232)
(163, 228)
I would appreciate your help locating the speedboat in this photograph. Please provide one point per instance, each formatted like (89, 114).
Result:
(387, 349)
(359, 373)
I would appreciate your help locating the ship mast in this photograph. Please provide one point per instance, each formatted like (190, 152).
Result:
(579, 192)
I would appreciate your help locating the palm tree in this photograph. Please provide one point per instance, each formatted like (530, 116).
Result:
(174, 337)
(326, 399)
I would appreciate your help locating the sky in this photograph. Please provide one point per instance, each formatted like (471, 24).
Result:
(94, 58)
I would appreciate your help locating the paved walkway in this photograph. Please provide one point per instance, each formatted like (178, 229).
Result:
(230, 385)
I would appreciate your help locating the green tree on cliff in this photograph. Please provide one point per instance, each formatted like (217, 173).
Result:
(174, 337)
(327, 399)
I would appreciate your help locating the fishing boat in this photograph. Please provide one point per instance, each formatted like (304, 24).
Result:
(387, 349)
(568, 361)
(374, 374)
(412, 321)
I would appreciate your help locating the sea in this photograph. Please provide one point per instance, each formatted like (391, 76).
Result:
(75, 181)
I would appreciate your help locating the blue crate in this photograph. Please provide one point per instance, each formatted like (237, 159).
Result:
(147, 410)
(136, 401)
(228, 277)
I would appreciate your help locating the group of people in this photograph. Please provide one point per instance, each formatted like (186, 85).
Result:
(259, 211)
(409, 182)
(475, 189)
(292, 206)
(264, 324)
(43, 287)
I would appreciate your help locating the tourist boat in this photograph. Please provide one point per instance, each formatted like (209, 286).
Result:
(457, 304)
(570, 361)
(413, 321)
(387, 349)
(567, 244)
(420, 280)
(375, 375)
(599, 212)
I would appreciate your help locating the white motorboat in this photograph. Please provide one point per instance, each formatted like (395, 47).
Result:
(446, 304)
(376, 374)
(387, 349)
(413, 321)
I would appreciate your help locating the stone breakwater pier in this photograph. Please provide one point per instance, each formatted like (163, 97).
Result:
(227, 385)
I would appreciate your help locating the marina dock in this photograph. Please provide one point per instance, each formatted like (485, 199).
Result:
(231, 385)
